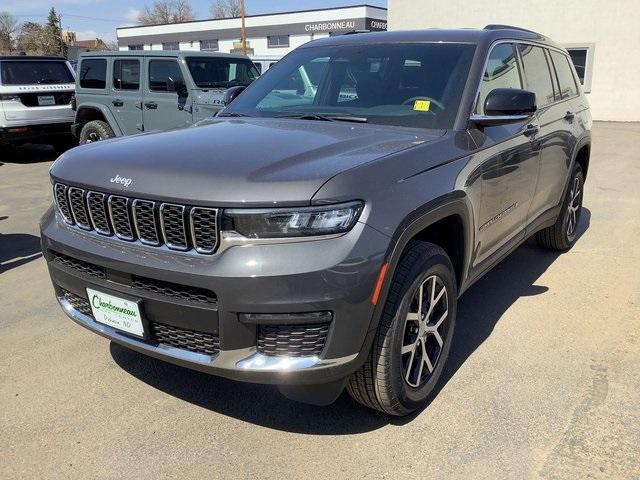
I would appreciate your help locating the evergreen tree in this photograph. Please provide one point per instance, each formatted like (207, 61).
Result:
(54, 43)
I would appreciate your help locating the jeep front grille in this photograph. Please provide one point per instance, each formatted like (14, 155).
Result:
(178, 227)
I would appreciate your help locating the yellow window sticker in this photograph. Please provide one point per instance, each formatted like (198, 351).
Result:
(422, 105)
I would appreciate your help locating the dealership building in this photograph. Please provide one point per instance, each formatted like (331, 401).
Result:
(599, 36)
(269, 36)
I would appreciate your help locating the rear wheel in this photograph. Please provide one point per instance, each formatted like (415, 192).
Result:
(94, 131)
(564, 233)
(414, 336)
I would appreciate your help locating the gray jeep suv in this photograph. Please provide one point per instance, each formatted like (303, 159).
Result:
(319, 238)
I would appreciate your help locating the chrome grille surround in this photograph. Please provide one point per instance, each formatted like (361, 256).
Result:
(120, 217)
(178, 227)
(78, 207)
(172, 223)
(144, 219)
(204, 228)
(62, 201)
(96, 203)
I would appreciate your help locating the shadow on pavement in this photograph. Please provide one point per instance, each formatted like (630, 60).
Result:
(28, 153)
(17, 249)
(479, 311)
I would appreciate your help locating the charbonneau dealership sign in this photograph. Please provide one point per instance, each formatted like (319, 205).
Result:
(330, 26)
(340, 25)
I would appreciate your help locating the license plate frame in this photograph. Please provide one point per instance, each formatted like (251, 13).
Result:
(120, 312)
(46, 100)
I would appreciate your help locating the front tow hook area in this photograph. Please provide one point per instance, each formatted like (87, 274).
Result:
(320, 395)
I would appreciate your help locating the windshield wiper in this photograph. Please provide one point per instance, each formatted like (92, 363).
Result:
(324, 117)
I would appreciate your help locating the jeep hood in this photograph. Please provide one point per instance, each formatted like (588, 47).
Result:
(232, 162)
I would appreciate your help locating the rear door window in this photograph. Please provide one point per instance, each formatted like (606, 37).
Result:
(93, 73)
(126, 74)
(34, 72)
(568, 87)
(537, 74)
(502, 71)
(160, 71)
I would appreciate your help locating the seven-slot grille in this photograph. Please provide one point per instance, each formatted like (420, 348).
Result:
(179, 227)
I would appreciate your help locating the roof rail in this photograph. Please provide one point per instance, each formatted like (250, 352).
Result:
(506, 27)
(353, 32)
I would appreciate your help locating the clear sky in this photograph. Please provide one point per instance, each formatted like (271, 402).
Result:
(99, 18)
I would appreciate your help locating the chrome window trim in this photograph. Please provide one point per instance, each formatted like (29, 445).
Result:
(115, 230)
(65, 194)
(523, 75)
(155, 223)
(205, 251)
(173, 246)
(84, 204)
(107, 233)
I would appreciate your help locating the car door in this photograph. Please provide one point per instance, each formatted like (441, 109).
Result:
(126, 94)
(555, 137)
(160, 105)
(507, 162)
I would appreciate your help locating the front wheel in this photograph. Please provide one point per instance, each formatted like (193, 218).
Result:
(95, 131)
(414, 336)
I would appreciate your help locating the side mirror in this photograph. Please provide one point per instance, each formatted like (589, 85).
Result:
(231, 94)
(506, 105)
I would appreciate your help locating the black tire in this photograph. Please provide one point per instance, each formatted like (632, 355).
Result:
(383, 382)
(94, 131)
(563, 234)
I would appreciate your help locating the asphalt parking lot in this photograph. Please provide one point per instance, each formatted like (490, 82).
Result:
(544, 380)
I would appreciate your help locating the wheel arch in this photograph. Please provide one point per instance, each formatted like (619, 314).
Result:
(89, 112)
(446, 222)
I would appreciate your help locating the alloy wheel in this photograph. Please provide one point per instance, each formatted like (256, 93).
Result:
(424, 331)
(573, 209)
(93, 137)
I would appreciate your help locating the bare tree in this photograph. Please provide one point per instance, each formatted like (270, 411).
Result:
(225, 9)
(8, 29)
(32, 38)
(166, 11)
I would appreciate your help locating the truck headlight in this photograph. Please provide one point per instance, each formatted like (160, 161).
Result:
(295, 222)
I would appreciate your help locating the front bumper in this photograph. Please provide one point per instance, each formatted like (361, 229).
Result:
(335, 275)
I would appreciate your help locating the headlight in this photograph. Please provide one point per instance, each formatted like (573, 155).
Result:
(295, 222)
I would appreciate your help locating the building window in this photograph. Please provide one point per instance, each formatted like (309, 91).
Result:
(170, 46)
(277, 41)
(580, 59)
(136, 47)
(209, 45)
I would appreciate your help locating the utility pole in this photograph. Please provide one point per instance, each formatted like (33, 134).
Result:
(243, 31)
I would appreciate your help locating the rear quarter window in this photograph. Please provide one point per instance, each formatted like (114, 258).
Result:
(93, 73)
(568, 87)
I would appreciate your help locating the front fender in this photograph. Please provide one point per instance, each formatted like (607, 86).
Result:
(104, 111)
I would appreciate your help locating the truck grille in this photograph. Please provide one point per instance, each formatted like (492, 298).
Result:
(292, 340)
(178, 227)
(177, 337)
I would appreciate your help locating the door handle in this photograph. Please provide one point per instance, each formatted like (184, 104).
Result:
(151, 105)
(117, 103)
(569, 116)
(531, 130)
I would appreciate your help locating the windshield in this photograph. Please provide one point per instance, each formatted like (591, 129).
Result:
(409, 84)
(32, 72)
(211, 72)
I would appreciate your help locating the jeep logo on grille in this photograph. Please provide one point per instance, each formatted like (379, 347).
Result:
(125, 182)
